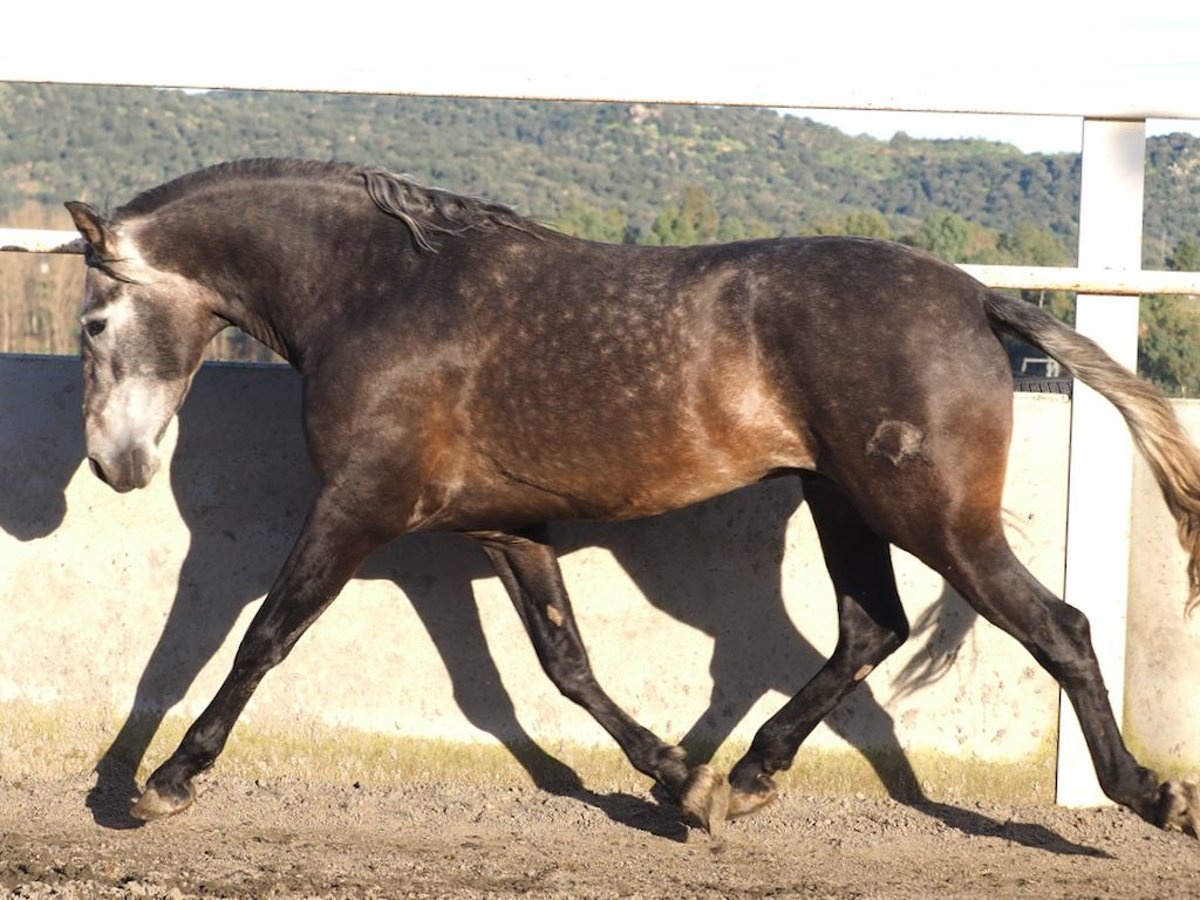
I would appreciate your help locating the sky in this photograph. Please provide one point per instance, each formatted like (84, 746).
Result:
(1030, 56)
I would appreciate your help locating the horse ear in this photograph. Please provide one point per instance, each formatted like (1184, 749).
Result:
(90, 224)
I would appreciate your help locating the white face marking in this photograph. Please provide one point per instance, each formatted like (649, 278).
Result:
(135, 413)
(142, 342)
(132, 264)
(126, 408)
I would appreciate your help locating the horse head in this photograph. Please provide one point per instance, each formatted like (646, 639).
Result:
(144, 332)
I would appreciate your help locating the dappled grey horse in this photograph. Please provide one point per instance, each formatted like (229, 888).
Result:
(467, 369)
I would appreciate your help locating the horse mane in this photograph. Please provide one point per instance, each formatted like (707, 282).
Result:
(426, 211)
(432, 210)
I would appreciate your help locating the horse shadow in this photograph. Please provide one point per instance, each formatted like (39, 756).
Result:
(242, 536)
(41, 443)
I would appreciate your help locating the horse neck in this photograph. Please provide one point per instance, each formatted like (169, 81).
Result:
(270, 267)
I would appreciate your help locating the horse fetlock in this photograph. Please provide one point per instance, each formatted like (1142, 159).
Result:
(161, 800)
(705, 799)
(669, 769)
(1179, 807)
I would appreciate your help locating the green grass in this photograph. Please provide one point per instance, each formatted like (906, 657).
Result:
(55, 741)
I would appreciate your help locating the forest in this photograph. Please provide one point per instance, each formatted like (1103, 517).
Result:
(616, 172)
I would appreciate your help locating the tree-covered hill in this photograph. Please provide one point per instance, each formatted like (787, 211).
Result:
(618, 172)
(608, 170)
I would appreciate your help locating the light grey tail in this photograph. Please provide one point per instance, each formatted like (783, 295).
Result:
(1172, 456)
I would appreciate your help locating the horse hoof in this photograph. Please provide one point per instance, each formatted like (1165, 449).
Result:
(705, 798)
(155, 805)
(1179, 807)
(743, 803)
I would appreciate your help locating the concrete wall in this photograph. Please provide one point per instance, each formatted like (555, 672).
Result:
(119, 616)
(1162, 683)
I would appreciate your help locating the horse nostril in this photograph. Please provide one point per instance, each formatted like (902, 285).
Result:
(96, 470)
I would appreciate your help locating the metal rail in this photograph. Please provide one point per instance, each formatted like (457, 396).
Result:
(39, 240)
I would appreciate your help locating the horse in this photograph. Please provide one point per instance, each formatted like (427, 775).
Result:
(468, 369)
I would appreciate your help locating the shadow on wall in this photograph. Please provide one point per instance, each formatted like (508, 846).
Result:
(41, 443)
(245, 534)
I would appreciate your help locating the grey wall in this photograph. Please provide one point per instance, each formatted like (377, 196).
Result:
(120, 615)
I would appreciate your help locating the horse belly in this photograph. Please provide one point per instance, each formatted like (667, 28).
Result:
(717, 463)
(631, 460)
(605, 489)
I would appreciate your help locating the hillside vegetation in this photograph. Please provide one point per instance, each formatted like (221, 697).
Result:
(620, 172)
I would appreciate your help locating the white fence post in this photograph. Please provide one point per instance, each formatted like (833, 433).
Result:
(1101, 460)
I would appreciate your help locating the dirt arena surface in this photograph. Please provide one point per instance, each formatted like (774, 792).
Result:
(290, 840)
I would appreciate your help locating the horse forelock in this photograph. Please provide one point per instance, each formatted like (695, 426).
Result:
(123, 262)
(425, 211)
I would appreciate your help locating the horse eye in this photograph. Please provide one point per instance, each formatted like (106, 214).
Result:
(94, 327)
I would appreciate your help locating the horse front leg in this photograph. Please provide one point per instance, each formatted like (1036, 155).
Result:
(328, 551)
(528, 567)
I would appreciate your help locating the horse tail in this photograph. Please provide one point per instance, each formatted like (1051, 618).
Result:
(1157, 433)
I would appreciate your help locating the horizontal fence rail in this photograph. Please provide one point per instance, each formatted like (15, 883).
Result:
(39, 240)
(1110, 282)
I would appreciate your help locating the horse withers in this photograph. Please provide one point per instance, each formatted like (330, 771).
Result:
(467, 369)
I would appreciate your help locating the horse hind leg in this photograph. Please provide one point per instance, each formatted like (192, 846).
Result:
(947, 514)
(871, 625)
(528, 567)
(1057, 634)
(945, 510)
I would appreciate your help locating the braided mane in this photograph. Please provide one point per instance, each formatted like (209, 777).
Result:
(431, 210)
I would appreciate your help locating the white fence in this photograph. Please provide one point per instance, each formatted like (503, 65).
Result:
(781, 58)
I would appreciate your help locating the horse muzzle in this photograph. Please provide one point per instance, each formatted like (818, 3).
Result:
(130, 470)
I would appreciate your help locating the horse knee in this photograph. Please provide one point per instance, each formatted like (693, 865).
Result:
(570, 672)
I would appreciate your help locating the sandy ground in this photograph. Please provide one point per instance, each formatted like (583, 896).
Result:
(291, 840)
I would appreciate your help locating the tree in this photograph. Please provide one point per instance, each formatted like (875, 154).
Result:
(944, 234)
(869, 224)
(1169, 343)
(1169, 331)
(694, 221)
(1031, 246)
(1186, 256)
(583, 220)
